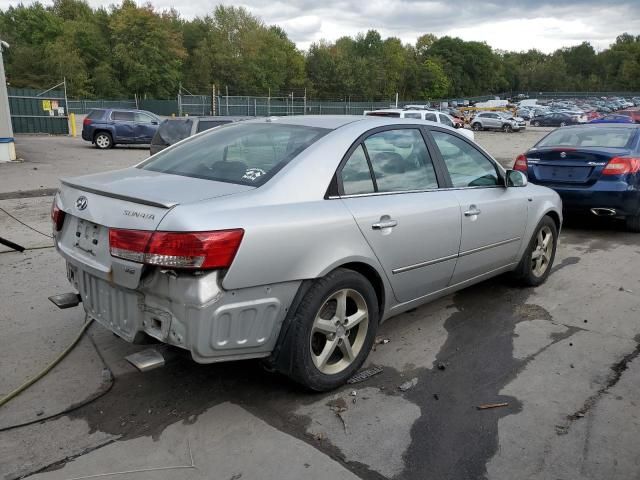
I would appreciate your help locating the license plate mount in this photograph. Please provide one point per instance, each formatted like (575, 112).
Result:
(87, 236)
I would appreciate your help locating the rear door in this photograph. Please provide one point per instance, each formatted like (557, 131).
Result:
(390, 185)
(493, 217)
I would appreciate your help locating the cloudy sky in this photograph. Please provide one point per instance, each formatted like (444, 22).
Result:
(508, 25)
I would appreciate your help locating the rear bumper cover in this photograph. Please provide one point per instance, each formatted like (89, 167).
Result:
(188, 311)
(619, 196)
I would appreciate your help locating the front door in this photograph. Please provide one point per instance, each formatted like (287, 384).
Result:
(145, 127)
(493, 217)
(390, 185)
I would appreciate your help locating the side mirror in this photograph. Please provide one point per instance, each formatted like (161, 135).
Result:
(516, 178)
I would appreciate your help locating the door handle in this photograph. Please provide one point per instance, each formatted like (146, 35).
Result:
(473, 210)
(384, 224)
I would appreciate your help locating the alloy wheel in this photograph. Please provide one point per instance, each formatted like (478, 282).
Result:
(339, 331)
(541, 255)
(102, 141)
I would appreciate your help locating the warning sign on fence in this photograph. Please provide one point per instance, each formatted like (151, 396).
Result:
(46, 105)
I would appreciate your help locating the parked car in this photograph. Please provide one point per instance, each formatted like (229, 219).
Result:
(594, 168)
(172, 130)
(423, 114)
(108, 127)
(613, 118)
(292, 239)
(524, 113)
(634, 114)
(496, 121)
(553, 120)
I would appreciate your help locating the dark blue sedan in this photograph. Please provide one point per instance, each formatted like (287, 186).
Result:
(595, 168)
(613, 119)
(110, 126)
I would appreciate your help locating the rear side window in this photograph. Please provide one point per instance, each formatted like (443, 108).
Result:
(356, 175)
(431, 117)
(466, 165)
(412, 115)
(122, 116)
(172, 131)
(445, 120)
(589, 136)
(400, 161)
(95, 114)
(242, 153)
(207, 124)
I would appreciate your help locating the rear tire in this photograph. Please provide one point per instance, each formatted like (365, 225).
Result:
(103, 140)
(633, 223)
(477, 127)
(329, 343)
(536, 124)
(537, 260)
(563, 124)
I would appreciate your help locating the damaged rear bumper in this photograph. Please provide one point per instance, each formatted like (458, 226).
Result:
(187, 310)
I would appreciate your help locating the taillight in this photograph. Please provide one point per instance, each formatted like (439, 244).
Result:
(200, 250)
(57, 217)
(521, 163)
(86, 121)
(622, 165)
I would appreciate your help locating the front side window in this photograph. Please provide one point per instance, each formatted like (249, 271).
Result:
(431, 117)
(400, 161)
(445, 120)
(207, 124)
(143, 118)
(242, 153)
(466, 165)
(412, 115)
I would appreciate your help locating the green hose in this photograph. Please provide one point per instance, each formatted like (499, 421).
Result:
(48, 368)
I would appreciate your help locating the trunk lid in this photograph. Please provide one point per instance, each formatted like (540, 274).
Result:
(570, 166)
(128, 199)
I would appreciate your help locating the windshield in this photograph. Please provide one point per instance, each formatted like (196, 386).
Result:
(242, 153)
(589, 137)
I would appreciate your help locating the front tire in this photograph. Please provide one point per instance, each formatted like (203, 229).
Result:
(476, 127)
(506, 128)
(103, 141)
(536, 263)
(333, 330)
(536, 124)
(563, 124)
(633, 223)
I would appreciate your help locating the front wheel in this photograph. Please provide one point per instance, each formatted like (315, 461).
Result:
(536, 263)
(536, 124)
(476, 127)
(633, 223)
(506, 128)
(333, 330)
(563, 124)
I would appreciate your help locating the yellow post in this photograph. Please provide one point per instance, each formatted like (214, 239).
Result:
(72, 121)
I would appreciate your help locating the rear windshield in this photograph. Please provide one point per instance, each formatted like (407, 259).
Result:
(172, 131)
(207, 124)
(242, 153)
(95, 114)
(592, 136)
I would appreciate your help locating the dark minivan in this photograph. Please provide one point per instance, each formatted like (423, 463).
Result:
(110, 126)
(173, 130)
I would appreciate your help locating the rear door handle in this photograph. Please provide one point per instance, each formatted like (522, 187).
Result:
(384, 224)
(473, 210)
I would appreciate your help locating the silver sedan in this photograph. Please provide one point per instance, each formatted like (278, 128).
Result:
(291, 239)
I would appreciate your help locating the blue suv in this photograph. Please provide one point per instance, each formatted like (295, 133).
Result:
(108, 127)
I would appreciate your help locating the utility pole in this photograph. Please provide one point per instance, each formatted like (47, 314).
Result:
(7, 146)
(213, 99)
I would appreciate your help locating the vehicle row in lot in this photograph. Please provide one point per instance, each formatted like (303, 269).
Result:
(290, 239)
(595, 168)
